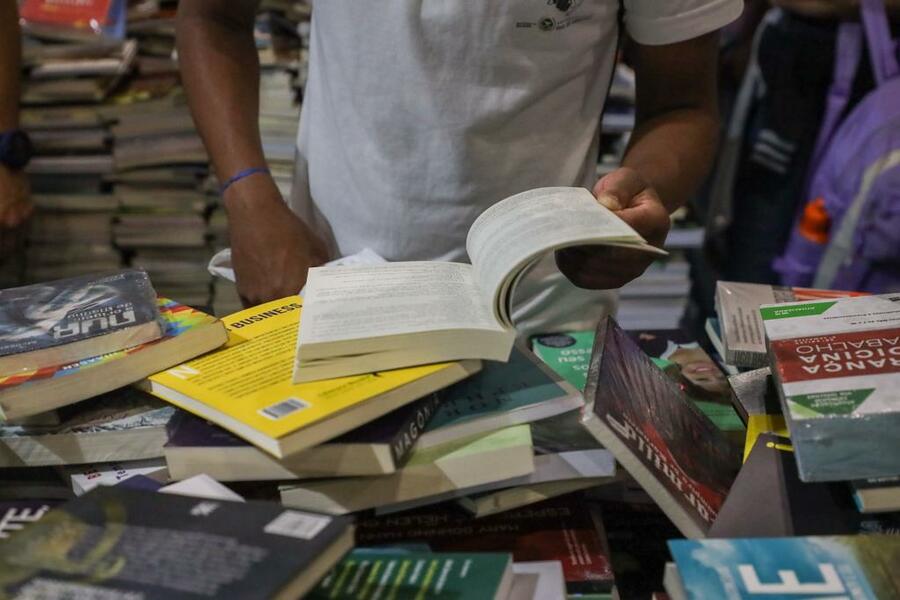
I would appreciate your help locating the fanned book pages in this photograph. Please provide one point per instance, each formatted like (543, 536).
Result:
(370, 318)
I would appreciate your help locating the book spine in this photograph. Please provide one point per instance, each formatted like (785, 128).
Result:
(412, 428)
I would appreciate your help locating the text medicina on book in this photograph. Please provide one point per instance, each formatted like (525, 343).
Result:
(364, 319)
(837, 366)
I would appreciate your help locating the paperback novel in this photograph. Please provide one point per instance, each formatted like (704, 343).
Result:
(116, 542)
(737, 305)
(837, 366)
(861, 567)
(187, 333)
(382, 446)
(671, 448)
(51, 323)
(562, 529)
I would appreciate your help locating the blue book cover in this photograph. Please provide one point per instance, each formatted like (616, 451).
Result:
(860, 567)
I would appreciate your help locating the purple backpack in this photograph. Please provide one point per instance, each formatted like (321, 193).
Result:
(848, 234)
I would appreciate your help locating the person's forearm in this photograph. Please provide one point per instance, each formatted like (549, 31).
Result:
(220, 69)
(676, 130)
(10, 58)
(673, 152)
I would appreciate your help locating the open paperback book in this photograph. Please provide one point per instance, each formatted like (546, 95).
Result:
(371, 318)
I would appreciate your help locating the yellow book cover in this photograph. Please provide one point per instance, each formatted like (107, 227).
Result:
(758, 424)
(247, 387)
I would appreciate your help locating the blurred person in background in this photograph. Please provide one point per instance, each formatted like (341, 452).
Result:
(782, 59)
(15, 205)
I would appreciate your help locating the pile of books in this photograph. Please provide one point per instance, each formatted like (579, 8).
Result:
(450, 439)
(815, 507)
(526, 476)
(120, 174)
(142, 432)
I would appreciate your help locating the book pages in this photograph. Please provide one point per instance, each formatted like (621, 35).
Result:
(392, 299)
(515, 232)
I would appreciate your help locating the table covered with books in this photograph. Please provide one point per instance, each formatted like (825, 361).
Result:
(151, 450)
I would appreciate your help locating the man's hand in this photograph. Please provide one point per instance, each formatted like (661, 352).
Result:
(15, 207)
(15, 200)
(634, 201)
(271, 247)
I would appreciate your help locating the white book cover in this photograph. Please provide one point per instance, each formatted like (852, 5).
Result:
(202, 486)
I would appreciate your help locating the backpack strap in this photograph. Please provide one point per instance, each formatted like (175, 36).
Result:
(847, 55)
(882, 50)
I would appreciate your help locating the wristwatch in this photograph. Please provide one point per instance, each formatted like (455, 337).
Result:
(15, 148)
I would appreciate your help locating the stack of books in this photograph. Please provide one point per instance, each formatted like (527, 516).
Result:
(79, 71)
(71, 234)
(107, 115)
(72, 149)
(498, 472)
(821, 408)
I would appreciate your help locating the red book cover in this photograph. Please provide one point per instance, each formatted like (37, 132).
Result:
(840, 355)
(671, 448)
(73, 13)
(563, 529)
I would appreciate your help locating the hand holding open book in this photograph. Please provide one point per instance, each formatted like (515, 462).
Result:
(371, 318)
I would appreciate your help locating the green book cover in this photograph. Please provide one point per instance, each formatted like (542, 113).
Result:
(367, 574)
(569, 354)
(498, 388)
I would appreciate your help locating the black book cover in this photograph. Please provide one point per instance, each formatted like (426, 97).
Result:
(769, 500)
(398, 429)
(45, 315)
(115, 542)
(671, 448)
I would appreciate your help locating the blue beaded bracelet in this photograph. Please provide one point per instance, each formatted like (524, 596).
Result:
(240, 175)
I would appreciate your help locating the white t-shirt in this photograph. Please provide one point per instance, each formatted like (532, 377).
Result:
(419, 114)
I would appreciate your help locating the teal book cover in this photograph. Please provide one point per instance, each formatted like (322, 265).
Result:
(569, 354)
(499, 388)
(861, 567)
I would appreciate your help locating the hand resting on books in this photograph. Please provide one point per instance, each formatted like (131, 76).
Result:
(271, 248)
(630, 197)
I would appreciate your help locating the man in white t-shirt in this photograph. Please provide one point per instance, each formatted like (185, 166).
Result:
(419, 114)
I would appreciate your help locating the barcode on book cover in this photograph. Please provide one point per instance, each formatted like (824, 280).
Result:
(298, 524)
(283, 408)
